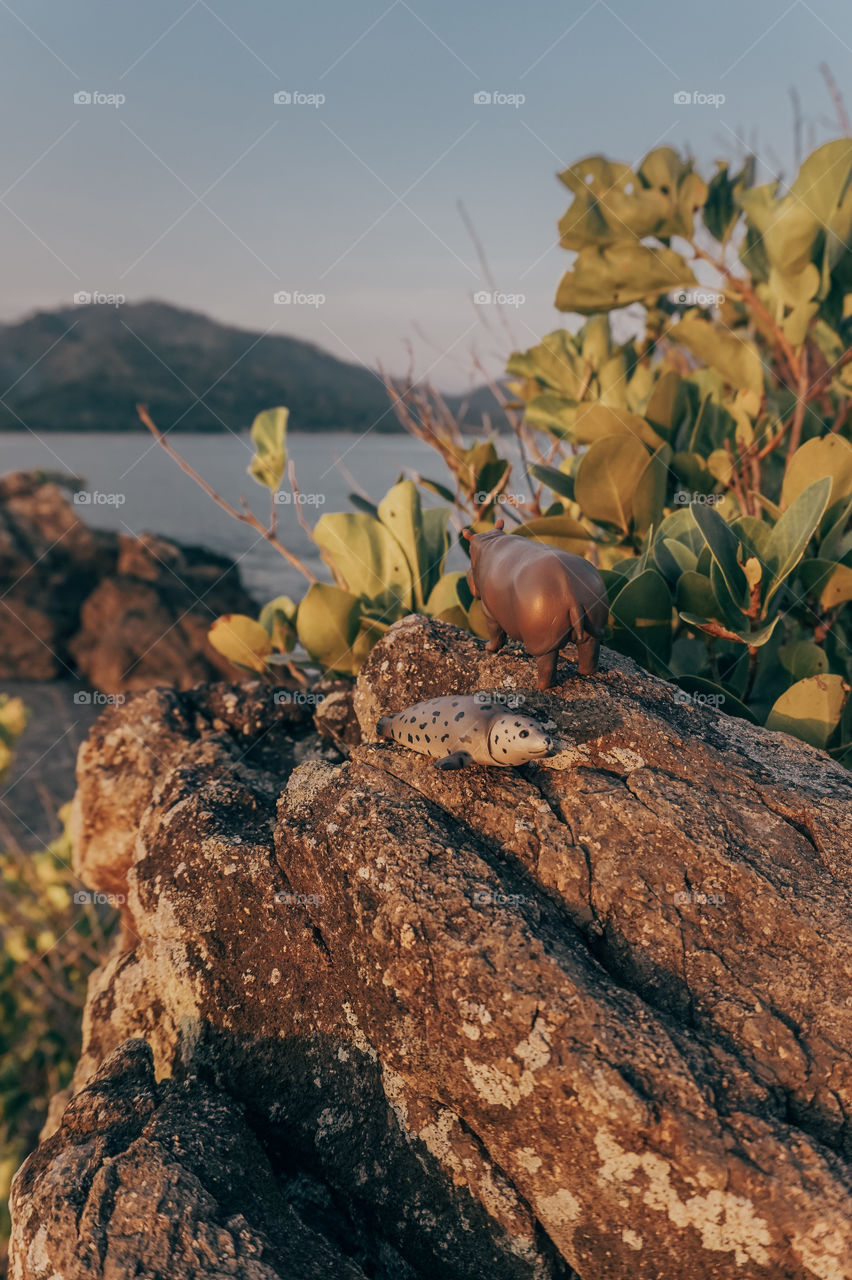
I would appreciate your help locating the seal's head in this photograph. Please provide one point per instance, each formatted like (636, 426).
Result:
(514, 739)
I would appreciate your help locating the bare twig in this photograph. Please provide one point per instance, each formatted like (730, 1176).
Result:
(836, 98)
(245, 517)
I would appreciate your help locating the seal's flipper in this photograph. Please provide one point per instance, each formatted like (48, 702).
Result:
(457, 760)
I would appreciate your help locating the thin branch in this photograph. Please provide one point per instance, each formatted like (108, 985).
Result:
(836, 98)
(245, 517)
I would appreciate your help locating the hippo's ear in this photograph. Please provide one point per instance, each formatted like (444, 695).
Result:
(498, 524)
(467, 535)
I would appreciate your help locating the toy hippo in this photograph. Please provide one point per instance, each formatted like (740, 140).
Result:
(539, 595)
(467, 729)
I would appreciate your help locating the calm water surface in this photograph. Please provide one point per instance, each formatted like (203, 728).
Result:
(156, 496)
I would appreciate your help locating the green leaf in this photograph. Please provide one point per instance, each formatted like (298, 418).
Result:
(364, 504)
(735, 358)
(445, 594)
(673, 559)
(607, 477)
(641, 617)
(724, 546)
(556, 480)
(440, 489)
(422, 535)
(433, 547)
(367, 560)
(822, 456)
(696, 598)
(618, 274)
(650, 493)
(803, 659)
(278, 618)
(794, 530)
(810, 709)
(838, 589)
(595, 421)
(557, 531)
(328, 624)
(241, 640)
(717, 696)
(269, 432)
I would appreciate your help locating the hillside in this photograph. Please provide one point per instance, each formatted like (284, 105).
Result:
(84, 368)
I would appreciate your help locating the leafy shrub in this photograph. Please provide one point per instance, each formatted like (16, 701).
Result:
(704, 462)
(50, 945)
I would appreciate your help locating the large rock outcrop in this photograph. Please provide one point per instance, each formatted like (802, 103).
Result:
(590, 1017)
(118, 611)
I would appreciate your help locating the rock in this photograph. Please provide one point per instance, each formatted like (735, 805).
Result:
(589, 1017)
(334, 714)
(120, 611)
(148, 1179)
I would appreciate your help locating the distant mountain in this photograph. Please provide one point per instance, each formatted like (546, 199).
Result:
(84, 368)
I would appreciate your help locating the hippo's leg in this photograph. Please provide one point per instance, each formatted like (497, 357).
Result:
(457, 760)
(588, 651)
(546, 666)
(496, 635)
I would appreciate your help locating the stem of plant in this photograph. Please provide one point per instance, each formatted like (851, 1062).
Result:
(245, 517)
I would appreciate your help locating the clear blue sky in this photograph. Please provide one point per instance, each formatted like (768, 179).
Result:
(200, 190)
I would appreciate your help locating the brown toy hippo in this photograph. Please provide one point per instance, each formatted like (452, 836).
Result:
(539, 595)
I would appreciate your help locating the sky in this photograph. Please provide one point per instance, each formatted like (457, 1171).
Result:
(183, 179)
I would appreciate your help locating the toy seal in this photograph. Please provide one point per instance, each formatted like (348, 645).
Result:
(467, 729)
(539, 595)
